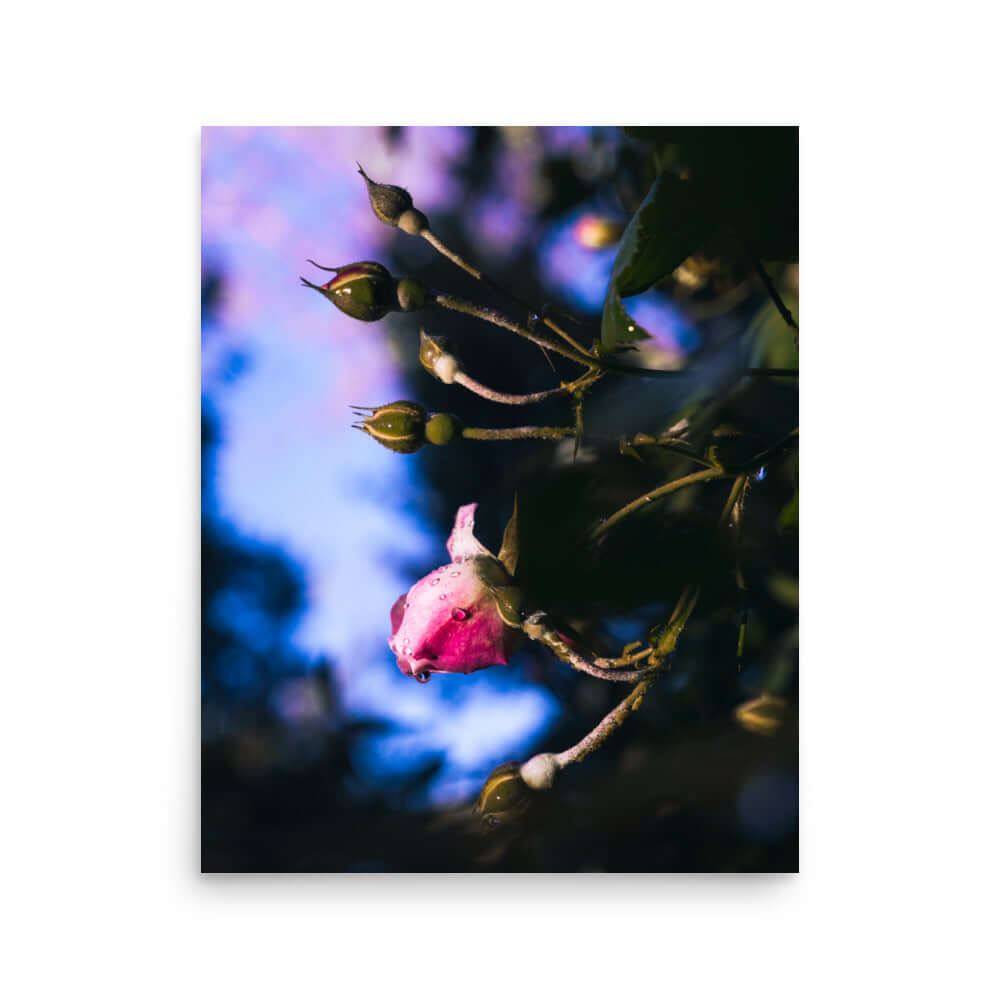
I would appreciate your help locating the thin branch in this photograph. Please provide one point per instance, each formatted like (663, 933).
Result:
(624, 661)
(498, 319)
(519, 399)
(773, 292)
(517, 433)
(479, 275)
(661, 491)
(763, 457)
(585, 666)
(574, 352)
(508, 398)
(562, 649)
(663, 647)
(667, 442)
(612, 721)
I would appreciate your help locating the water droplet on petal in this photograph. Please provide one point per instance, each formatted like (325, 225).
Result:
(442, 597)
(454, 572)
(459, 614)
(423, 677)
(435, 581)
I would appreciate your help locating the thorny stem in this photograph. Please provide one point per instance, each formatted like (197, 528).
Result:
(668, 442)
(561, 648)
(624, 661)
(517, 433)
(585, 666)
(661, 491)
(672, 444)
(498, 319)
(487, 280)
(515, 399)
(600, 733)
(613, 720)
(713, 472)
(663, 647)
(509, 398)
(576, 353)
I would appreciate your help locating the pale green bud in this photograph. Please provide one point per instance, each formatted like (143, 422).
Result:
(399, 426)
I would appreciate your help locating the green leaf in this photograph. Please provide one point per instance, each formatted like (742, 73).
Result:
(749, 175)
(661, 235)
(508, 602)
(664, 231)
(772, 342)
(617, 327)
(509, 546)
(784, 588)
(788, 519)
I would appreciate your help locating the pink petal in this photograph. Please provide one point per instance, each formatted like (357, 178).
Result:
(450, 624)
(396, 614)
(462, 543)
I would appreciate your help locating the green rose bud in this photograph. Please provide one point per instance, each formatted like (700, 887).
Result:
(442, 428)
(394, 206)
(365, 291)
(436, 359)
(410, 294)
(505, 796)
(399, 426)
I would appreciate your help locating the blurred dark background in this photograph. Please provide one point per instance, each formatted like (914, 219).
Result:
(318, 755)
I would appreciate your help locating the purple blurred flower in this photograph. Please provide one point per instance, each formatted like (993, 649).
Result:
(457, 618)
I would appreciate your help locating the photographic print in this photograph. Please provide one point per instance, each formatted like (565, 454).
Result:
(499, 499)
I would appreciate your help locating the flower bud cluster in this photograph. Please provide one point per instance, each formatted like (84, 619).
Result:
(405, 426)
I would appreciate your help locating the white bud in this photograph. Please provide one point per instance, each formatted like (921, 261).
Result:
(446, 368)
(540, 772)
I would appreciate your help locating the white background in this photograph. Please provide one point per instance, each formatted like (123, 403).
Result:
(100, 574)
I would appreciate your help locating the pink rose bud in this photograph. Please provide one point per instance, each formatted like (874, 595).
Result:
(365, 291)
(461, 617)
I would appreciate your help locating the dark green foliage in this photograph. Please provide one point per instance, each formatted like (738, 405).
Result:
(729, 191)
